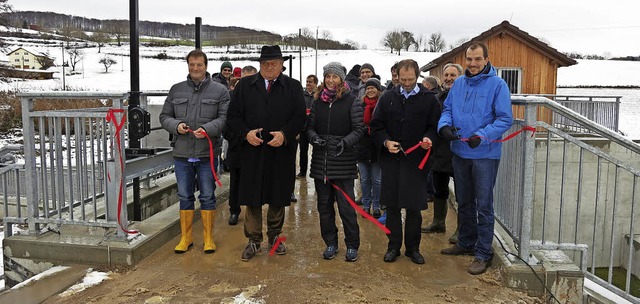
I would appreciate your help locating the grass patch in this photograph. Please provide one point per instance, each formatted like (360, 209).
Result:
(619, 279)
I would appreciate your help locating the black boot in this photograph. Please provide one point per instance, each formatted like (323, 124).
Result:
(439, 216)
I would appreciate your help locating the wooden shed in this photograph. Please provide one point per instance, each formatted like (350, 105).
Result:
(528, 65)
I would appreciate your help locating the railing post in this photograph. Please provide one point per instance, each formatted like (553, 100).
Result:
(31, 178)
(528, 180)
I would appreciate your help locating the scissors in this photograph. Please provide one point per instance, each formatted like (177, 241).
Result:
(401, 149)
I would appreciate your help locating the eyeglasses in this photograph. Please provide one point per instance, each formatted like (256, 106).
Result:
(226, 70)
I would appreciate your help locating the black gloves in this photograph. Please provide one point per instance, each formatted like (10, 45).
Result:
(449, 133)
(339, 148)
(474, 141)
(318, 141)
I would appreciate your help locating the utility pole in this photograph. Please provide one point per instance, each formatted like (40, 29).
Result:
(300, 47)
(64, 86)
(317, 28)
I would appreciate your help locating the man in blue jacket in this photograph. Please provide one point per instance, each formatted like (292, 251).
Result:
(476, 113)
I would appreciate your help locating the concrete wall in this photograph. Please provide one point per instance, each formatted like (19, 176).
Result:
(572, 210)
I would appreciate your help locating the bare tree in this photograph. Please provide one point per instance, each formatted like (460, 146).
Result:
(393, 40)
(107, 62)
(326, 34)
(458, 42)
(45, 61)
(4, 8)
(75, 55)
(419, 43)
(407, 40)
(353, 44)
(436, 42)
(101, 38)
(119, 28)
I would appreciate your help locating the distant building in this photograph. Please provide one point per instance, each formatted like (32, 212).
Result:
(21, 58)
(527, 65)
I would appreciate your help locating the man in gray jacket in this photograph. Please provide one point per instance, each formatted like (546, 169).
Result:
(195, 112)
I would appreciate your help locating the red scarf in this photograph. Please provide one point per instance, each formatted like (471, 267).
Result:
(370, 105)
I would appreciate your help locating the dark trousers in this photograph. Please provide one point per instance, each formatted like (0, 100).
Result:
(327, 195)
(304, 153)
(234, 185)
(441, 184)
(412, 234)
(253, 223)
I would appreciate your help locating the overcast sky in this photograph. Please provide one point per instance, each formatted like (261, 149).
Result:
(611, 26)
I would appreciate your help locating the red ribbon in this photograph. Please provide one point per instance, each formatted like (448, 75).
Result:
(359, 210)
(211, 157)
(424, 159)
(510, 136)
(111, 117)
(277, 243)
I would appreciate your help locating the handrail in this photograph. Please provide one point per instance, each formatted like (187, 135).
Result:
(73, 95)
(613, 136)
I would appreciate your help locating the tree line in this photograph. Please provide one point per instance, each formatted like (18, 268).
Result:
(76, 26)
(399, 39)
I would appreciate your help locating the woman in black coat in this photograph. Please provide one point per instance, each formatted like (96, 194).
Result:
(335, 125)
(404, 117)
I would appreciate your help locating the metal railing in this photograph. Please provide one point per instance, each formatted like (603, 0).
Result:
(558, 192)
(72, 174)
(603, 110)
(66, 155)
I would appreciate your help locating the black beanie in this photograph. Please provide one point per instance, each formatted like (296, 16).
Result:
(373, 82)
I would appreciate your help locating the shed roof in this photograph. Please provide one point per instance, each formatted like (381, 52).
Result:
(505, 26)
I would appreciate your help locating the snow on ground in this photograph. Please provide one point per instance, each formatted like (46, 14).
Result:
(41, 275)
(91, 279)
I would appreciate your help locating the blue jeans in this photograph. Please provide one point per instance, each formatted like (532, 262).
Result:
(370, 177)
(186, 173)
(474, 181)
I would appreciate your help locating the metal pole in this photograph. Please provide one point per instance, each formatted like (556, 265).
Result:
(64, 86)
(300, 51)
(291, 66)
(316, 73)
(134, 94)
(198, 25)
(528, 156)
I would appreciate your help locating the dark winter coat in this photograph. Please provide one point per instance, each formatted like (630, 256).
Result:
(336, 121)
(267, 174)
(441, 154)
(204, 105)
(365, 149)
(407, 121)
(235, 141)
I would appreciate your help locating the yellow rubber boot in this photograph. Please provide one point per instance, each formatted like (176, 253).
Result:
(186, 223)
(207, 223)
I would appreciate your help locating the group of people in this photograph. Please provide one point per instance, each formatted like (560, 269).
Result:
(356, 127)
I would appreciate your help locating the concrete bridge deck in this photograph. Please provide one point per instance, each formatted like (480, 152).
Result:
(300, 276)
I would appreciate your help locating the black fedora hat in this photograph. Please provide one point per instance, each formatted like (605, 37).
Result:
(270, 52)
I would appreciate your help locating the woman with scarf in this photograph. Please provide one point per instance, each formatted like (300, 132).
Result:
(368, 166)
(335, 126)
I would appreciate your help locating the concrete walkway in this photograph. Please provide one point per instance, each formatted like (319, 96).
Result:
(300, 276)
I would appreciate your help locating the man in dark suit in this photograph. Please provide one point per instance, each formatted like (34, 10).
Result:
(268, 109)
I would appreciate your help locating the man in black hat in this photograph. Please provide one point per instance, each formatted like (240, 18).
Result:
(267, 111)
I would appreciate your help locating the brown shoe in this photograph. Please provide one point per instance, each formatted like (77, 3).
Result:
(457, 250)
(478, 266)
(250, 251)
(280, 250)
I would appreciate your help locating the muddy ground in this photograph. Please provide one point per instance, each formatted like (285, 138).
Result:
(300, 276)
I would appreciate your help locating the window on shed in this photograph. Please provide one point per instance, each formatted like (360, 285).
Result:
(513, 78)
